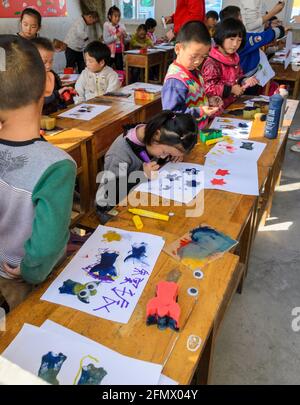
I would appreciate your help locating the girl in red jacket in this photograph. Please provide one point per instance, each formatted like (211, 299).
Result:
(221, 71)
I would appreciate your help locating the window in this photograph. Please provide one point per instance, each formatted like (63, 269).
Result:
(295, 8)
(215, 5)
(136, 10)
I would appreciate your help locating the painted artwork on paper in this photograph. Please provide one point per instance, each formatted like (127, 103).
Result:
(60, 356)
(47, 8)
(234, 127)
(200, 246)
(180, 182)
(108, 274)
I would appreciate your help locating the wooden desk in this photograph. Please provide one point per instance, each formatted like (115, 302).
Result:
(145, 61)
(75, 142)
(287, 75)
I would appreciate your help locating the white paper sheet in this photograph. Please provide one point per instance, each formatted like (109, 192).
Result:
(176, 181)
(69, 78)
(237, 128)
(85, 112)
(237, 149)
(264, 70)
(164, 380)
(233, 176)
(288, 49)
(108, 274)
(155, 88)
(73, 355)
(137, 51)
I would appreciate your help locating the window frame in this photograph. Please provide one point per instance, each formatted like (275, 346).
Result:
(134, 21)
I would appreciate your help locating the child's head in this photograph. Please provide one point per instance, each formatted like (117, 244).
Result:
(46, 50)
(31, 22)
(274, 22)
(97, 56)
(231, 12)
(170, 134)
(193, 44)
(21, 85)
(114, 15)
(141, 31)
(151, 25)
(91, 17)
(230, 35)
(211, 19)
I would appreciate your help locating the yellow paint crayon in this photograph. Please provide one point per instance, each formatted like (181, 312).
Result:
(149, 214)
(138, 222)
(212, 141)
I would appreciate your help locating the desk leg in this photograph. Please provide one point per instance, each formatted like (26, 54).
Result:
(127, 72)
(147, 72)
(296, 88)
(202, 375)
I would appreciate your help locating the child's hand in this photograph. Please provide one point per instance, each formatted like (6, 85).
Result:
(119, 34)
(209, 111)
(215, 101)
(250, 82)
(151, 170)
(170, 35)
(237, 90)
(63, 89)
(13, 273)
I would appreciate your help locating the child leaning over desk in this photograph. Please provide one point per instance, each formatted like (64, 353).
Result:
(143, 148)
(36, 178)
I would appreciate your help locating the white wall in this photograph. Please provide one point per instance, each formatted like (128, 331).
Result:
(53, 27)
(57, 27)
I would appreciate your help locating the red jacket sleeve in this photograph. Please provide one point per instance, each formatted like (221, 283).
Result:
(212, 78)
(196, 10)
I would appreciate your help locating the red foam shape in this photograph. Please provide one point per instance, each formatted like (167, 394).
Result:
(218, 182)
(222, 172)
(164, 304)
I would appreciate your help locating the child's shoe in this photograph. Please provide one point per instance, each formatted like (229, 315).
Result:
(296, 147)
(295, 136)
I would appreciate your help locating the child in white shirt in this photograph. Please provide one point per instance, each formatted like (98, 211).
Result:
(77, 39)
(98, 78)
(114, 35)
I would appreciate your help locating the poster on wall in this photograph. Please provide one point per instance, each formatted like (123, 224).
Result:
(47, 8)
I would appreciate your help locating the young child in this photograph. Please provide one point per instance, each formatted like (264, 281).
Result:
(54, 89)
(31, 23)
(114, 36)
(183, 89)
(97, 78)
(151, 24)
(78, 38)
(211, 20)
(36, 179)
(221, 71)
(250, 52)
(140, 40)
(167, 136)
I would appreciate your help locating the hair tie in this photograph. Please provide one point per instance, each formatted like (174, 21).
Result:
(174, 117)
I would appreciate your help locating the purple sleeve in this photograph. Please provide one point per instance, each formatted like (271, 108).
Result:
(174, 94)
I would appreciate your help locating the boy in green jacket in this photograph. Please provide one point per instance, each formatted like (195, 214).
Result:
(36, 179)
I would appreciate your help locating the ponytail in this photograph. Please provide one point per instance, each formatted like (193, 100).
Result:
(176, 129)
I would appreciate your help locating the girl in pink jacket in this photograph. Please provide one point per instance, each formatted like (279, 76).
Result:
(221, 71)
(114, 36)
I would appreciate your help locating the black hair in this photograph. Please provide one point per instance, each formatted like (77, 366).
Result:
(195, 31)
(112, 10)
(175, 129)
(230, 28)
(99, 51)
(93, 14)
(273, 18)
(34, 13)
(230, 12)
(150, 23)
(23, 80)
(212, 14)
(142, 27)
(43, 43)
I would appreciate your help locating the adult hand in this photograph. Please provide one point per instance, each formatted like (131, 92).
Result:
(169, 20)
(170, 35)
(278, 7)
